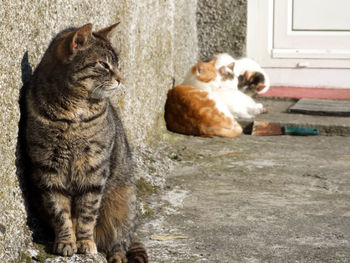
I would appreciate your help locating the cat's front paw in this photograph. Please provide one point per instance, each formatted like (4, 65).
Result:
(65, 248)
(264, 110)
(118, 257)
(86, 247)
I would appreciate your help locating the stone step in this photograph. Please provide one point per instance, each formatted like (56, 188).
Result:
(278, 112)
(322, 107)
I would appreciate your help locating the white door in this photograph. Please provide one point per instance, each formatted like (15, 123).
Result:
(302, 43)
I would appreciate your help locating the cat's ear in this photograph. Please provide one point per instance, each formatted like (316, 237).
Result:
(248, 75)
(106, 33)
(80, 38)
(198, 68)
(212, 62)
(231, 66)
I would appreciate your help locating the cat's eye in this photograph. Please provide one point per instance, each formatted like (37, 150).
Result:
(105, 65)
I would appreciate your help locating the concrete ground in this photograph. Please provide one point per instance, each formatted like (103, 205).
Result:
(251, 199)
(278, 113)
(254, 199)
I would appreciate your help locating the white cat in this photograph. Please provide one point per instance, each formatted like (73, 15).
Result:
(239, 104)
(252, 78)
(223, 88)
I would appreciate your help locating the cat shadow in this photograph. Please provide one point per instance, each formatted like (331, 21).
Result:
(41, 233)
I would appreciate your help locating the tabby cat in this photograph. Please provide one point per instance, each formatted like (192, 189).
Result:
(78, 149)
(194, 108)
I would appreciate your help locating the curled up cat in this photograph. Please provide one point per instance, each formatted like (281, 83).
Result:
(194, 107)
(213, 96)
(251, 80)
(80, 157)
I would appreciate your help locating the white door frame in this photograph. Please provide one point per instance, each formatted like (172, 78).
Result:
(292, 66)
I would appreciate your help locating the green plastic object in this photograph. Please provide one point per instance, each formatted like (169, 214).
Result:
(293, 130)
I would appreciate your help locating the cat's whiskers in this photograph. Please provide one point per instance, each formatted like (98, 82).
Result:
(114, 87)
(96, 91)
(97, 87)
(104, 89)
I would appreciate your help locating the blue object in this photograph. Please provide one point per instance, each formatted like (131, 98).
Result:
(293, 130)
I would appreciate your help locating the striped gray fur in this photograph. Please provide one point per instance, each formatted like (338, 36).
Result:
(79, 152)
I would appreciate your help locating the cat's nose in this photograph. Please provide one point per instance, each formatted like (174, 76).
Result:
(118, 77)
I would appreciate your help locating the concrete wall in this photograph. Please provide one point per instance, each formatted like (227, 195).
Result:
(222, 26)
(158, 42)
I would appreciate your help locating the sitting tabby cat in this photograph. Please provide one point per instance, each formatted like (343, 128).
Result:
(194, 107)
(78, 149)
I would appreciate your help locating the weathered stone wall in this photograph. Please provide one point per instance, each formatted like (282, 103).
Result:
(222, 26)
(158, 42)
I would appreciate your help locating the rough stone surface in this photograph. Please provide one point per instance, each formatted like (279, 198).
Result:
(221, 26)
(322, 107)
(253, 199)
(158, 42)
(248, 199)
(78, 259)
(278, 113)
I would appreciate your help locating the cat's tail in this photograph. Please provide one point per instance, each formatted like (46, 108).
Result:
(137, 253)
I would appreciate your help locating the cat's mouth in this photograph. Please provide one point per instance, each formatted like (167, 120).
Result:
(103, 90)
(114, 87)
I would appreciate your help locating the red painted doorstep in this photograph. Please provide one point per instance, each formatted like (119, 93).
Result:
(314, 93)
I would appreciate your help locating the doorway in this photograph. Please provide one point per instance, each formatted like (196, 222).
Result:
(302, 43)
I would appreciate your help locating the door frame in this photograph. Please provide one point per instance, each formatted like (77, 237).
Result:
(284, 67)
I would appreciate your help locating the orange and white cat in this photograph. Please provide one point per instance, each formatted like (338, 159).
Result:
(195, 108)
